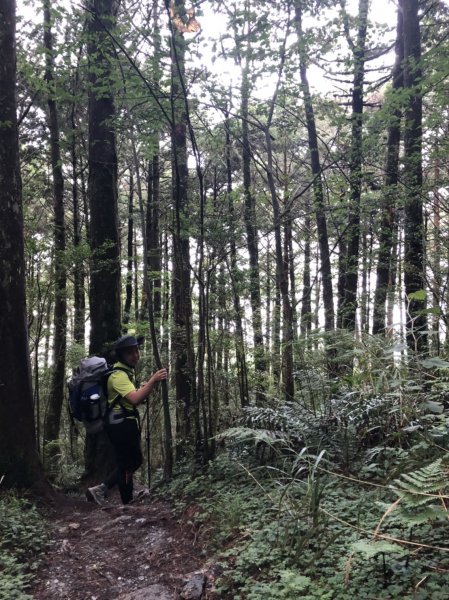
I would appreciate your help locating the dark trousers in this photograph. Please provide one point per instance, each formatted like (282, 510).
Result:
(125, 438)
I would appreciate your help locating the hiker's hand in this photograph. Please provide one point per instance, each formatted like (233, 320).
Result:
(159, 375)
(138, 396)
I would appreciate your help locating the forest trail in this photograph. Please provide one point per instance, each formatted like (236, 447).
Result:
(137, 552)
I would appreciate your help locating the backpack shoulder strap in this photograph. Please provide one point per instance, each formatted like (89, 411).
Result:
(120, 369)
(116, 400)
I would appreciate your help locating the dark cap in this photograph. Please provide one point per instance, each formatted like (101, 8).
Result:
(127, 341)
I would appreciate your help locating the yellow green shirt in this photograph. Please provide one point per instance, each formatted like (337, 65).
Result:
(121, 384)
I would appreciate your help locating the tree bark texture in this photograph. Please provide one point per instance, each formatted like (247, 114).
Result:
(153, 233)
(252, 241)
(182, 334)
(414, 263)
(239, 337)
(130, 253)
(390, 191)
(79, 274)
(153, 216)
(19, 461)
(104, 296)
(168, 439)
(306, 304)
(318, 191)
(282, 276)
(348, 307)
(57, 389)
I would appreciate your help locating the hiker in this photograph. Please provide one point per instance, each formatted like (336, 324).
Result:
(122, 423)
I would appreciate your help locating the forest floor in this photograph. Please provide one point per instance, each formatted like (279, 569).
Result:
(135, 552)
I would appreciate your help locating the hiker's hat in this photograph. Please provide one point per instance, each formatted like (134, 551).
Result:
(127, 341)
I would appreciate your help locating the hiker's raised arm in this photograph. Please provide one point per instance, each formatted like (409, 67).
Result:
(139, 395)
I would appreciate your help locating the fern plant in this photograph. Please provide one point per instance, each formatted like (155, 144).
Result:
(420, 501)
(421, 494)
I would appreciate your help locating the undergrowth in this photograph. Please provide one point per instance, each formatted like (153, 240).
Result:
(23, 538)
(341, 494)
(275, 535)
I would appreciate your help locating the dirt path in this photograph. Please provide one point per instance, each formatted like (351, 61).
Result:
(131, 553)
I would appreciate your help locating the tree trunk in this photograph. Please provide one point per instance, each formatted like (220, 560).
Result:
(78, 273)
(235, 281)
(57, 387)
(414, 264)
(306, 304)
(348, 309)
(390, 191)
(19, 461)
(242, 40)
(104, 239)
(367, 264)
(203, 318)
(104, 296)
(182, 335)
(153, 213)
(436, 252)
(252, 243)
(393, 277)
(153, 234)
(276, 335)
(282, 262)
(168, 440)
(318, 192)
(268, 303)
(290, 254)
(282, 276)
(130, 253)
(48, 323)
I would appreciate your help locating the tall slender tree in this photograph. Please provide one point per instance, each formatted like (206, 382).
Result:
(390, 190)
(79, 274)
(348, 303)
(130, 253)
(153, 213)
(315, 164)
(56, 396)
(239, 337)
(168, 440)
(244, 30)
(414, 260)
(188, 428)
(282, 272)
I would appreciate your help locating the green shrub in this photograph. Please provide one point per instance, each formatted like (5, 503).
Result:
(23, 537)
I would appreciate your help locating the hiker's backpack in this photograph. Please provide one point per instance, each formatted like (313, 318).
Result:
(88, 393)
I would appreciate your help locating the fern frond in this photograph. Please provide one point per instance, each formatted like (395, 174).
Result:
(419, 492)
(248, 434)
(430, 479)
(427, 514)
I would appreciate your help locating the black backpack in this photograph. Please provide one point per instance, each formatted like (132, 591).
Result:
(88, 399)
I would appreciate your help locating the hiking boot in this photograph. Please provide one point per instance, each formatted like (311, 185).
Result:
(97, 494)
